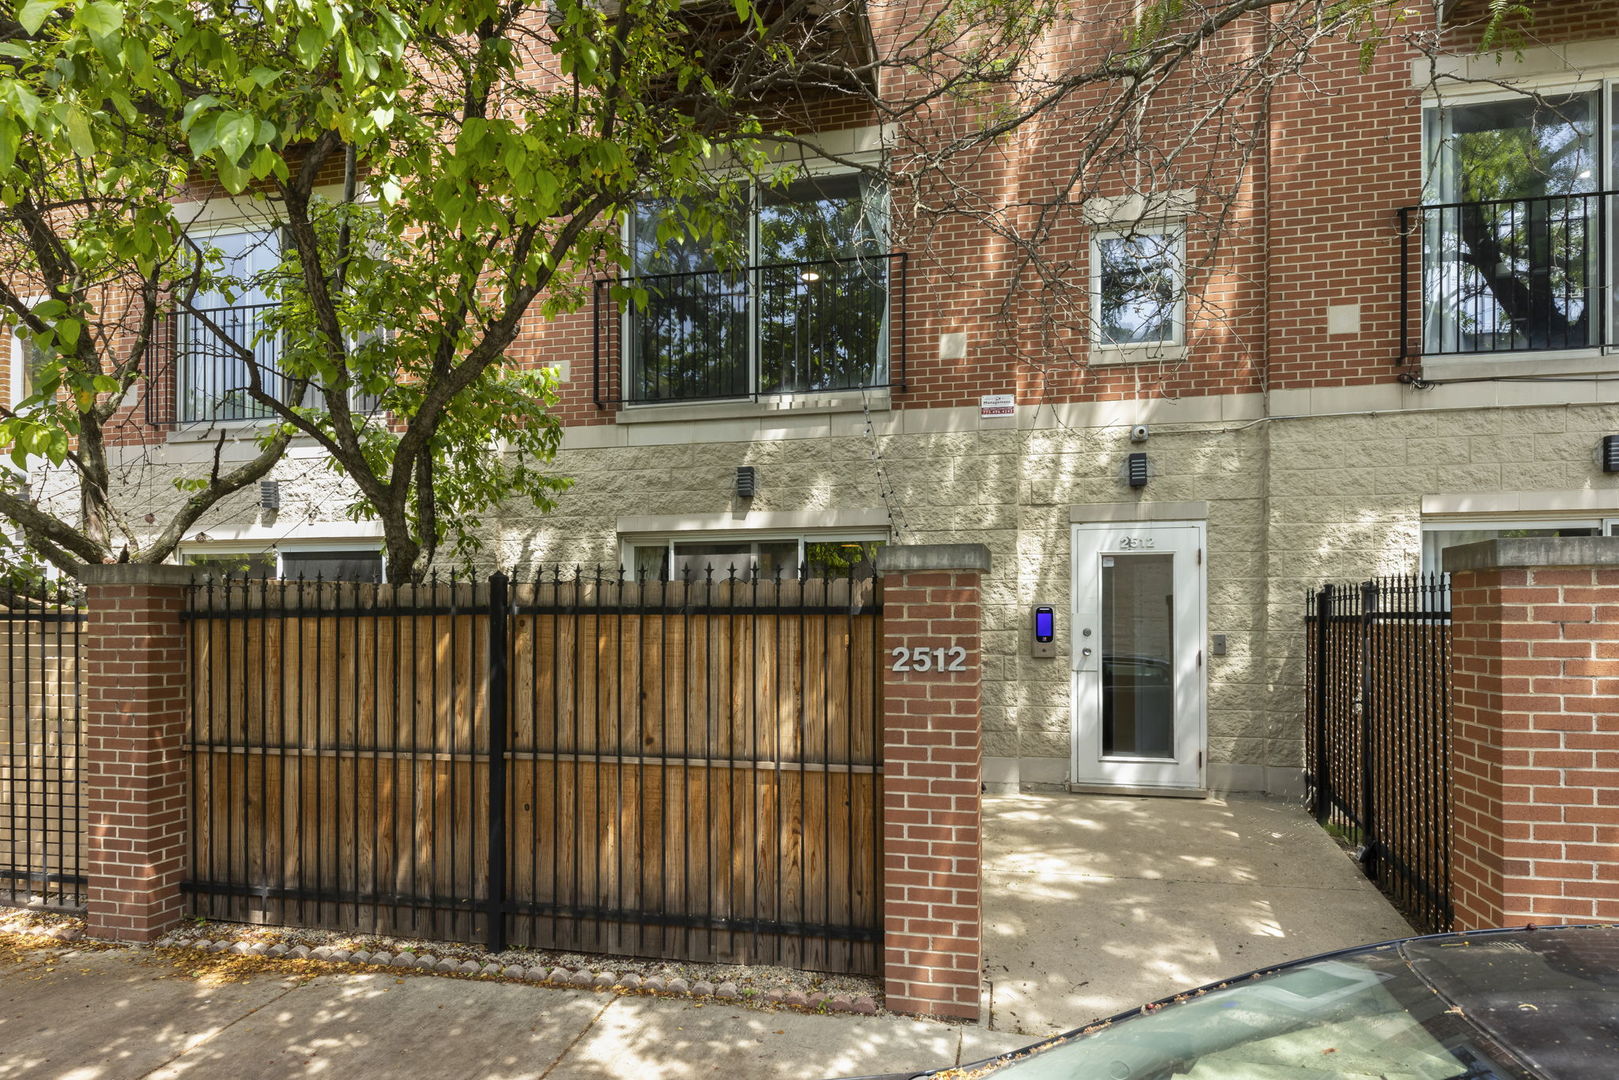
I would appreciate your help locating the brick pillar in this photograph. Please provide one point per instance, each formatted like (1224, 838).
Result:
(932, 777)
(1535, 731)
(134, 764)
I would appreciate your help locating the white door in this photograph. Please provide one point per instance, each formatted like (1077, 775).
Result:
(1138, 631)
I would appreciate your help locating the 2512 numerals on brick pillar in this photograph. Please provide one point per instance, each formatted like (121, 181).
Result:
(932, 778)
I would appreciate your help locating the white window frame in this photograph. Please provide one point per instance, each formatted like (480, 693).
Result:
(1603, 79)
(202, 229)
(1114, 351)
(19, 357)
(813, 167)
(226, 548)
(1605, 524)
(217, 217)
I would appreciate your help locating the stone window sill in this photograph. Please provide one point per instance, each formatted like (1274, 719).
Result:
(777, 405)
(1104, 356)
(1508, 364)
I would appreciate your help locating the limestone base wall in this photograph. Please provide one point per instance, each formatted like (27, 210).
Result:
(1289, 501)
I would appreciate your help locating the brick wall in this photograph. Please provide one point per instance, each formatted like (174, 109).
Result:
(134, 764)
(932, 778)
(1535, 731)
(1304, 222)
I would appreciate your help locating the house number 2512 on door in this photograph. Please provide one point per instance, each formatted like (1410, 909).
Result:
(952, 659)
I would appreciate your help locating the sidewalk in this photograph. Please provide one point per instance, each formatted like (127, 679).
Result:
(119, 1014)
(1094, 904)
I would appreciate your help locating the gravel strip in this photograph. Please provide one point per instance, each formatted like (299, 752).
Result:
(760, 986)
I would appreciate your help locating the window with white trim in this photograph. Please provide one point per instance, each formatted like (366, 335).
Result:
(27, 359)
(1138, 285)
(701, 555)
(809, 311)
(1517, 230)
(212, 374)
(212, 379)
(1439, 535)
(327, 561)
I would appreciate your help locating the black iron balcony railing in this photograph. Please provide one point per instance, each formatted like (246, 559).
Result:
(203, 363)
(1508, 275)
(785, 328)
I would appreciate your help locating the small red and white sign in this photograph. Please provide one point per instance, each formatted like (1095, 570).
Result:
(996, 405)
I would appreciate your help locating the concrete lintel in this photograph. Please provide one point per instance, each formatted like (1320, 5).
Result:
(902, 557)
(867, 518)
(135, 574)
(1533, 551)
(1101, 513)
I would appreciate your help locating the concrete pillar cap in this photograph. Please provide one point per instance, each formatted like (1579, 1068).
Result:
(1526, 551)
(135, 574)
(904, 557)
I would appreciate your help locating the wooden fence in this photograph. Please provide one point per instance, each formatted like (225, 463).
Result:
(686, 769)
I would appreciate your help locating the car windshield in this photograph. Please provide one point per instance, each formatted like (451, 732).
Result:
(1361, 1016)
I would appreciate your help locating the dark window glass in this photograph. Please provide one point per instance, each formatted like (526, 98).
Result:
(332, 565)
(1513, 250)
(256, 564)
(799, 304)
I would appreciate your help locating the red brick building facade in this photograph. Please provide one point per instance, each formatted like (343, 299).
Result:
(1321, 386)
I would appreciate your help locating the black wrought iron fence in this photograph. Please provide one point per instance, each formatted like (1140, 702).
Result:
(42, 808)
(204, 364)
(1507, 275)
(786, 328)
(1379, 696)
(687, 768)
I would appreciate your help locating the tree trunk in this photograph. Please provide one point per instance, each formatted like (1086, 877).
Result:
(403, 556)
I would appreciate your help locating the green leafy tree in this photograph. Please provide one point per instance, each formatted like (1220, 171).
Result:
(432, 174)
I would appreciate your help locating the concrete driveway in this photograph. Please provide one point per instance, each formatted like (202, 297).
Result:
(1094, 904)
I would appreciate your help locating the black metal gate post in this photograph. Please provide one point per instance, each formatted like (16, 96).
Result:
(1323, 618)
(1368, 754)
(495, 904)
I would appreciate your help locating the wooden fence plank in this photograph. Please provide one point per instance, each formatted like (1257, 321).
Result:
(692, 769)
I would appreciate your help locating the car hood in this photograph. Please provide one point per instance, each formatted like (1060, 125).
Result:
(1540, 1003)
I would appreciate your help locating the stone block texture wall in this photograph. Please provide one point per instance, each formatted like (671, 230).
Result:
(134, 762)
(1535, 738)
(932, 774)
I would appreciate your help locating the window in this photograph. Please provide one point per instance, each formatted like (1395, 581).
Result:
(212, 374)
(292, 562)
(27, 358)
(1512, 233)
(1138, 286)
(332, 565)
(767, 557)
(1438, 536)
(246, 564)
(810, 310)
(212, 377)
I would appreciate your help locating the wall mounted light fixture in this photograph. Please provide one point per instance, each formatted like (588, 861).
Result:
(269, 494)
(1136, 470)
(747, 481)
(1610, 453)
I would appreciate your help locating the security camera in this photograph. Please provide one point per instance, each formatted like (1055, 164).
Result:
(1138, 433)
